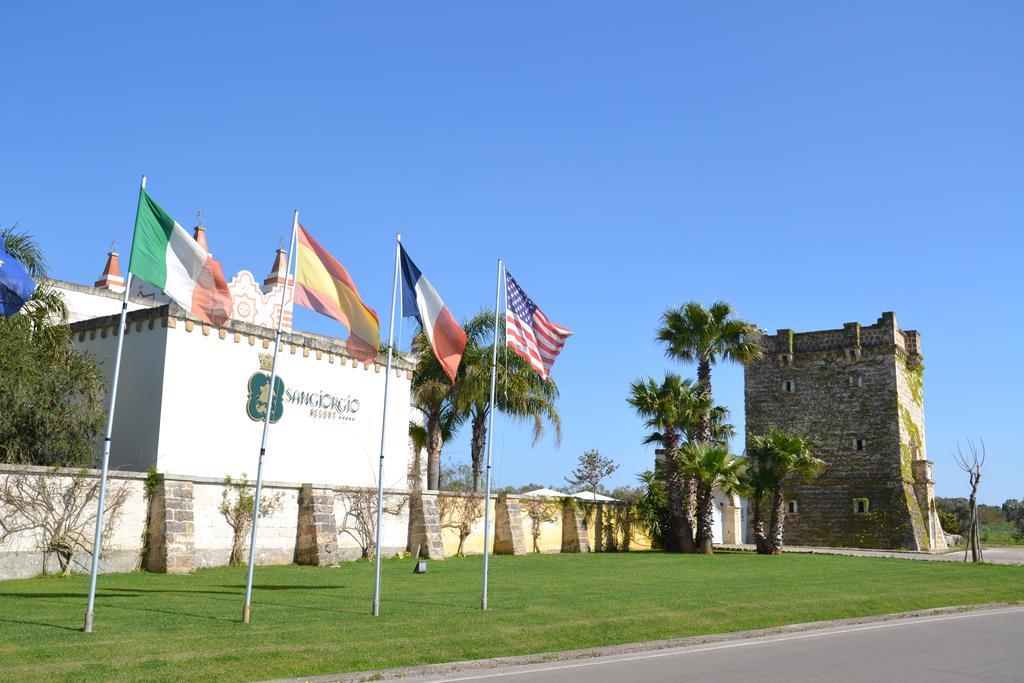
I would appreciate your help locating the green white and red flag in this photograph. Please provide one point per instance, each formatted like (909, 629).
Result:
(166, 256)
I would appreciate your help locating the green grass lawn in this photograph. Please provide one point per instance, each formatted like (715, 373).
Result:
(310, 621)
(1000, 533)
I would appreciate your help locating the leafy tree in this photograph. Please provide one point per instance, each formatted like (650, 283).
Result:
(520, 393)
(712, 467)
(705, 336)
(774, 457)
(949, 522)
(591, 469)
(52, 396)
(671, 409)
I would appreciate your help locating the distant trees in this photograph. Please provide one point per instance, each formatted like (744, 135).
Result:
(591, 469)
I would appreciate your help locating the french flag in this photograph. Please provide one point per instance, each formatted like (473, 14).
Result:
(421, 301)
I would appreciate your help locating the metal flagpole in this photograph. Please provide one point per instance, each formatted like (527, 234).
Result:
(384, 432)
(490, 440)
(246, 607)
(98, 538)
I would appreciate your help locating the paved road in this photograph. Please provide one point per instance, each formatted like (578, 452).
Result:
(975, 646)
(995, 555)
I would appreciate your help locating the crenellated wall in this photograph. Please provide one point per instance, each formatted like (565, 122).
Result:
(859, 392)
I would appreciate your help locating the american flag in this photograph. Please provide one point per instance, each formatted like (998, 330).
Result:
(529, 332)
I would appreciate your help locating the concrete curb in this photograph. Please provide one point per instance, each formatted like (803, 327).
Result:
(415, 673)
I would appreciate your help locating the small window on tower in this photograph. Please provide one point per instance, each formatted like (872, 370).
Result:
(791, 507)
(856, 381)
(860, 506)
(860, 444)
(789, 386)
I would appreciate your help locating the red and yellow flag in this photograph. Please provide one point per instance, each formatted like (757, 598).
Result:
(323, 284)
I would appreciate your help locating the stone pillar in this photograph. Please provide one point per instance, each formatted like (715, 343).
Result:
(172, 539)
(574, 528)
(316, 540)
(425, 524)
(508, 527)
(924, 491)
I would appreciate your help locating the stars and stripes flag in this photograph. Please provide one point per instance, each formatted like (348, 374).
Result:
(528, 331)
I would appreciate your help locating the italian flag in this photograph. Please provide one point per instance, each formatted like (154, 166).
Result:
(166, 256)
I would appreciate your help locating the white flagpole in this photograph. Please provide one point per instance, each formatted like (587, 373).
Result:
(98, 537)
(384, 433)
(246, 607)
(490, 440)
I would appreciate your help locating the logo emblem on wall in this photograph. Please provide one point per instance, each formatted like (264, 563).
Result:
(259, 393)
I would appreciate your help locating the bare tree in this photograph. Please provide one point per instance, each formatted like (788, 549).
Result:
(460, 511)
(360, 520)
(540, 511)
(973, 463)
(61, 515)
(591, 469)
(236, 505)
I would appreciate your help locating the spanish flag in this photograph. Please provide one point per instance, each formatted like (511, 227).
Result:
(323, 284)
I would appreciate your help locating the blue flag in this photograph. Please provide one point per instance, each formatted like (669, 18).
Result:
(15, 285)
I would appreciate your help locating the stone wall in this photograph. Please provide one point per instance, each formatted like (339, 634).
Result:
(849, 389)
(171, 523)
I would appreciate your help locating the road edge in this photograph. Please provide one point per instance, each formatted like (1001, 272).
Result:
(412, 673)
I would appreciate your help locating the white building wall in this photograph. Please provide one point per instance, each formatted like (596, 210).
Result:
(84, 302)
(137, 414)
(206, 431)
(183, 394)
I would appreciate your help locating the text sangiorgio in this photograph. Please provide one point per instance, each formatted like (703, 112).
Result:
(342, 405)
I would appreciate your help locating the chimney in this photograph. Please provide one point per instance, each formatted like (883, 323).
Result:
(279, 269)
(199, 234)
(111, 277)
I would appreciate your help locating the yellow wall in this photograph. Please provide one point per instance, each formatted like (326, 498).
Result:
(550, 540)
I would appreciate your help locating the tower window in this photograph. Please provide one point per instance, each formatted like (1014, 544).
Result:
(860, 506)
(856, 381)
(789, 386)
(791, 507)
(860, 444)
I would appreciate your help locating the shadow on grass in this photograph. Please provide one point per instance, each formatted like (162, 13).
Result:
(39, 623)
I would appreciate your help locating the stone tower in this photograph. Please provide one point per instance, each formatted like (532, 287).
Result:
(858, 391)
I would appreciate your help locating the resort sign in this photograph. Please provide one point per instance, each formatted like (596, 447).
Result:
(322, 404)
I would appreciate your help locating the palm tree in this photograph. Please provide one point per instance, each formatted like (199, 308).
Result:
(777, 456)
(520, 393)
(670, 409)
(705, 336)
(433, 393)
(711, 465)
(45, 312)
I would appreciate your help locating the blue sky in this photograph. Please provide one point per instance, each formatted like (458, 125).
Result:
(812, 164)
